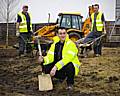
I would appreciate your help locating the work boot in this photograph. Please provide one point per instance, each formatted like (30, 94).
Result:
(57, 81)
(20, 56)
(69, 87)
(97, 55)
(58, 84)
(30, 55)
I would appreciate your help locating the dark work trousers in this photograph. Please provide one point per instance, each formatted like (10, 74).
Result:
(68, 71)
(23, 43)
(98, 44)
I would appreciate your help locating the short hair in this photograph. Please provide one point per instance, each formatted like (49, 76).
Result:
(61, 28)
(25, 6)
(97, 5)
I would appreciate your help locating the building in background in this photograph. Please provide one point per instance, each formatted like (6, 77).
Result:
(114, 34)
(117, 14)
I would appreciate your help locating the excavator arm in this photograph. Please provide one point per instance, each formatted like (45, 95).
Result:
(87, 23)
(46, 31)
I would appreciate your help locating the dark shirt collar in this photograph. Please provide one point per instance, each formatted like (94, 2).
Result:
(61, 42)
(25, 13)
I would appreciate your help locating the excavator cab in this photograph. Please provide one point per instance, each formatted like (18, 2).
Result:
(68, 20)
(73, 23)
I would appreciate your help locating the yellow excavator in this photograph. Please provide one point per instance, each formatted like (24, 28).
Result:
(71, 21)
(76, 29)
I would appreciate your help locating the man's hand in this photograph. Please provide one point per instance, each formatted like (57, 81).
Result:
(17, 33)
(53, 71)
(40, 59)
(17, 29)
(104, 32)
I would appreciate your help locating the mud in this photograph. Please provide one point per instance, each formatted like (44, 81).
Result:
(99, 76)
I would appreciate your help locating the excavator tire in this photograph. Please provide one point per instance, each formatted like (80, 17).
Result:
(74, 36)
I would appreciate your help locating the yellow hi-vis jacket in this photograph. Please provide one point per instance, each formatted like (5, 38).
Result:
(23, 24)
(99, 23)
(69, 54)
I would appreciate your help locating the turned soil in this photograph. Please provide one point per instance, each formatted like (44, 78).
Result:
(99, 76)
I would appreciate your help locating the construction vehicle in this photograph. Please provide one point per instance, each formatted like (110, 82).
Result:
(71, 21)
(76, 29)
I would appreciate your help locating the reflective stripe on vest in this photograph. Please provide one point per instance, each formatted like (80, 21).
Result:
(23, 23)
(61, 63)
(71, 52)
(99, 23)
(76, 65)
(50, 52)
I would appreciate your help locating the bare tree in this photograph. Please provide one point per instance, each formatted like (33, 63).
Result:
(8, 10)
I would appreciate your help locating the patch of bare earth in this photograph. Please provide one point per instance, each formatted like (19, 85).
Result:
(99, 76)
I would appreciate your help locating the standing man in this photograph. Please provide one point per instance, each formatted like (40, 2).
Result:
(62, 60)
(97, 29)
(24, 30)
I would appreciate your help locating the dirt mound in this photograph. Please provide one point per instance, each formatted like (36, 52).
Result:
(99, 76)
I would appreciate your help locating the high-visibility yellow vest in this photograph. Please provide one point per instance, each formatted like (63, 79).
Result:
(69, 54)
(23, 23)
(99, 23)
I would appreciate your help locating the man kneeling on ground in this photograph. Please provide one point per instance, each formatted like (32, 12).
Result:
(61, 60)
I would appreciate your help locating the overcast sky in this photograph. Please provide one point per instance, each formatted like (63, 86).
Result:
(40, 8)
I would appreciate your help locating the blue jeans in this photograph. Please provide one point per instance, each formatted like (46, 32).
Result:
(98, 44)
